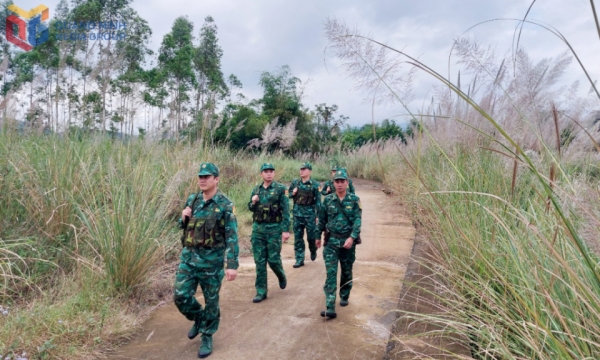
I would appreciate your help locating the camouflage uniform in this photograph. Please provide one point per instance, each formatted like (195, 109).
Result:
(201, 263)
(333, 251)
(271, 219)
(307, 203)
(329, 184)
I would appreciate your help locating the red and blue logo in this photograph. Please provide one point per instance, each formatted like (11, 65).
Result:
(27, 29)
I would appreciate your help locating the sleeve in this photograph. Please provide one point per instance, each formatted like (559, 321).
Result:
(285, 207)
(188, 202)
(357, 219)
(324, 189)
(317, 198)
(291, 188)
(231, 239)
(322, 219)
(351, 187)
(251, 206)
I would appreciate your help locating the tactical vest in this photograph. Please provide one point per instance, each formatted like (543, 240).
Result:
(269, 212)
(207, 232)
(304, 197)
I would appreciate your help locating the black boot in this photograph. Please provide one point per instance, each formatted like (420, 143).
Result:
(298, 264)
(195, 330)
(206, 347)
(329, 313)
(259, 298)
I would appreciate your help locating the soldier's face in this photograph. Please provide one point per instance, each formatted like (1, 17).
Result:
(268, 175)
(333, 172)
(340, 185)
(207, 182)
(304, 172)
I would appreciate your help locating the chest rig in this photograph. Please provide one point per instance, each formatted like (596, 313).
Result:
(269, 211)
(206, 230)
(305, 196)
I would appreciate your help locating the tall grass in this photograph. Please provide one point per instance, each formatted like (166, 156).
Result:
(506, 216)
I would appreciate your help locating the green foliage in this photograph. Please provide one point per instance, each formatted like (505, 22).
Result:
(353, 137)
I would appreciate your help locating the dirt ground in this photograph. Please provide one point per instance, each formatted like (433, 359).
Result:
(288, 325)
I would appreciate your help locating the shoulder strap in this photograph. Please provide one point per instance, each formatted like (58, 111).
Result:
(194, 201)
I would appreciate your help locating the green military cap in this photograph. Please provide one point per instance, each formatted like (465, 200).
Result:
(334, 168)
(267, 166)
(306, 165)
(340, 174)
(207, 168)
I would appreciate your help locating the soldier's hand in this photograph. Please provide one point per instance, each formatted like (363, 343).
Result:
(348, 243)
(318, 243)
(328, 189)
(187, 212)
(285, 236)
(255, 199)
(230, 274)
(295, 191)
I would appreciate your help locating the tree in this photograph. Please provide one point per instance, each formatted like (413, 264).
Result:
(211, 86)
(175, 61)
(327, 125)
(282, 99)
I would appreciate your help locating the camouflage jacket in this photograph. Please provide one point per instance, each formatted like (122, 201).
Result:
(329, 184)
(221, 209)
(311, 186)
(331, 217)
(273, 194)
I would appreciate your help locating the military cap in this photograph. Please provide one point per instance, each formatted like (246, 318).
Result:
(340, 174)
(334, 168)
(267, 166)
(207, 168)
(306, 165)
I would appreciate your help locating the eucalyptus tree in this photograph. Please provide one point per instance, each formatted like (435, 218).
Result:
(175, 59)
(210, 86)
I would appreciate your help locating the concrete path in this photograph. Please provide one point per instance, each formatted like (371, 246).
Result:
(288, 325)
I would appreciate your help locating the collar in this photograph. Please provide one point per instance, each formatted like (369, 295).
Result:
(215, 197)
(268, 187)
(337, 198)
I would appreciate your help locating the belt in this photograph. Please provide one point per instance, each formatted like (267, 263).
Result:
(202, 245)
(268, 222)
(340, 236)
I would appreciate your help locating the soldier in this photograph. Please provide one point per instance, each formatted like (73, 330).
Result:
(270, 206)
(328, 187)
(307, 201)
(340, 215)
(210, 234)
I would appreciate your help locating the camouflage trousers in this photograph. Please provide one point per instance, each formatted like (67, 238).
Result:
(266, 248)
(200, 267)
(301, 223)
(332, 253)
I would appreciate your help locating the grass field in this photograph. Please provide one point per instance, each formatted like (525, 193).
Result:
(88, 235)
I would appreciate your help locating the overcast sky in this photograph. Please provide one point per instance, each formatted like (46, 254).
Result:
(262, 35)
